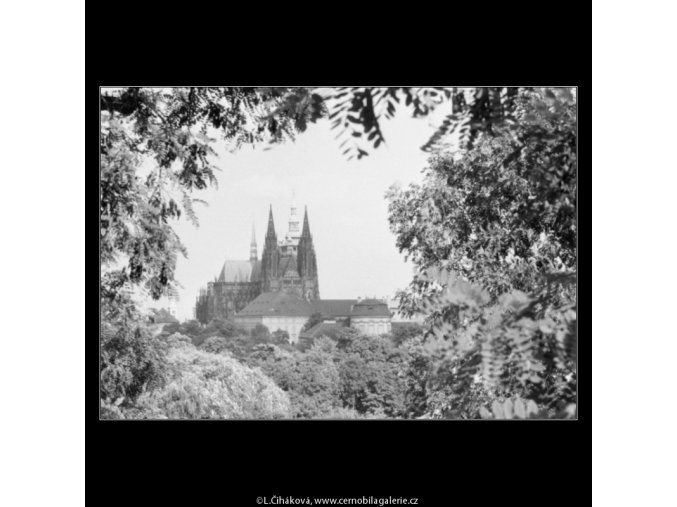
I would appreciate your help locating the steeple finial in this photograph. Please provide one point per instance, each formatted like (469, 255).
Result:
(271, 224)
(306, 226)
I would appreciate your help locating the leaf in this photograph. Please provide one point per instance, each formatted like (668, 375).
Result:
(520, 409)
(484, 413)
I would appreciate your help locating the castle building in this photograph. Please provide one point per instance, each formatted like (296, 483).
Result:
(281, 290)
(288, 265)
(371, 317)
(288, 312)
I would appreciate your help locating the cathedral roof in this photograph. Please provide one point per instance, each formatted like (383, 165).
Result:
(273, 304)
(240, 271)
(370, 308)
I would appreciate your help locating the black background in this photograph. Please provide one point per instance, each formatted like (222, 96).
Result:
(234, 462)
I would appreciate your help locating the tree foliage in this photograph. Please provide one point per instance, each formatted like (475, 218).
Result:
(131, 362)
(492, 231)
(371, 370)
(403, 332)
(156, 150)
(493, 234)
(312, 321)
(201, 385)
(311, 377)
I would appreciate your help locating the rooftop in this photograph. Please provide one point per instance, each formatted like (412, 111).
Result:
(370, 308)
(240, 271)
(270, 304)
(333, 307)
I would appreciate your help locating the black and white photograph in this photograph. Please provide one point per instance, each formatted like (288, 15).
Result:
(342, 253)
(246, 262)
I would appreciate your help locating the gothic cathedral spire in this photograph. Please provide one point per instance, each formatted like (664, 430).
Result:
(270, 259)
(306, 228)
(270, 233)
(307, 262)
(253, 254)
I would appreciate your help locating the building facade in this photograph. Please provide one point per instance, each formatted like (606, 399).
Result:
(289, 312)
(288, 265)
(277, 311)
(371, 317)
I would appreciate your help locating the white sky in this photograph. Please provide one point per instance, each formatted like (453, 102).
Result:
(347, 210)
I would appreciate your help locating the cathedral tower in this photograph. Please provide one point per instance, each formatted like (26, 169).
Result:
(293, 232)
(270, 259)
(288, 265)
(307, 262)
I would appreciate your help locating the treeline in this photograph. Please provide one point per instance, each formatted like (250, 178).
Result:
(222, 371)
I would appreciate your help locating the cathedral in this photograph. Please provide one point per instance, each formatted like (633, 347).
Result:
(287, 265)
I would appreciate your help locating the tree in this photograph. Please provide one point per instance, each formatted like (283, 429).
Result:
(312, 321)
(215, 345)
(277, 363)
(311, 378)
(371, 370)
(402, 333)
(493, 234)
(190, 328)
(315, 393)
(224, 328)
(280, 338)
(504, 214)
(260, 334)
(132, 361)
(202, 385)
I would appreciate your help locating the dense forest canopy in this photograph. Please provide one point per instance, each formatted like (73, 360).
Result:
(491, 230)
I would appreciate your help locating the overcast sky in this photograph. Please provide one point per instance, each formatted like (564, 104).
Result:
(347, 210)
